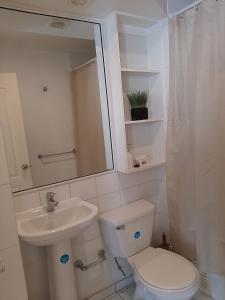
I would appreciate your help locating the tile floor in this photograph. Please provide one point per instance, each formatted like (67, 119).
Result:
(128, 293)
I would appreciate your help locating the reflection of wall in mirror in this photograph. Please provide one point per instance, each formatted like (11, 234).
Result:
(48, 116)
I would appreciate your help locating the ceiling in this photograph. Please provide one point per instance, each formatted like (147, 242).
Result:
(155, 9)
(19, 30)
(47, 43)
(13, 21)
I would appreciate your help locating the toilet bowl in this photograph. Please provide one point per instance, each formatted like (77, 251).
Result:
(163, 275)
(159, 274)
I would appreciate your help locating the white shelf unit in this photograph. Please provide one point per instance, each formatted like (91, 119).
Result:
(136, 48)
(142, 121)
(151, 165)
(147, 72)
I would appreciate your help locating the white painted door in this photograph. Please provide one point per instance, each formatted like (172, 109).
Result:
(11, 120)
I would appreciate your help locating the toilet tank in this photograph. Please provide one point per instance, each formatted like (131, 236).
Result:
(128, 229)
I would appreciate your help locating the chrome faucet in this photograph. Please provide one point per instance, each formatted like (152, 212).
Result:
(51, 202)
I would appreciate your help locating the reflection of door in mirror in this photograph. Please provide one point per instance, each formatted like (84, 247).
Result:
(89, 129)
(11, 120)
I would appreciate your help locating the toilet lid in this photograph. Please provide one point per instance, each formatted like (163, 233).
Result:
(165, 270)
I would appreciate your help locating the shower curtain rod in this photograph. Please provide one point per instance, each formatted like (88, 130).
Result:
(194, 4)
(84, 64)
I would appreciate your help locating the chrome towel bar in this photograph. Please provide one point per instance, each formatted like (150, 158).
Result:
(41, 156)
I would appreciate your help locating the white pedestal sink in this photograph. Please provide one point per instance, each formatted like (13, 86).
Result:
(55, 230)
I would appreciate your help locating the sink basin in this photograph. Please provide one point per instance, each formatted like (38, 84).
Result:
(55, 230)
(40, 228)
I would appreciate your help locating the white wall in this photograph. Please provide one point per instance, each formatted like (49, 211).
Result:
(48, 116)
(107, 191)
(12, 281)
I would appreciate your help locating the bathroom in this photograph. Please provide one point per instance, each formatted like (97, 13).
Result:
(101, 198)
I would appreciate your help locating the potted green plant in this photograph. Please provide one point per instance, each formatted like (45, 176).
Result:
(138, 102)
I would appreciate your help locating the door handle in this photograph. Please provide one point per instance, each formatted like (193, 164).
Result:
(25, 166)
(2, 267)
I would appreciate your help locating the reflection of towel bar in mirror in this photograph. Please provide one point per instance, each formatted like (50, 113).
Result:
(41, 156)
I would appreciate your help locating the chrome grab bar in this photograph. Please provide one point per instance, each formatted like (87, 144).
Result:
(41, 156)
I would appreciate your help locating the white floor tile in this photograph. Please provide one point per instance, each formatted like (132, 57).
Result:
(128, 294)
(201, 296)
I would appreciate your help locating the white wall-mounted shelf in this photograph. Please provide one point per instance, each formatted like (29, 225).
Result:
(135, 21)
(134, 24)
(141, 72)
(148, 166)
(137, 63)
(143, 121)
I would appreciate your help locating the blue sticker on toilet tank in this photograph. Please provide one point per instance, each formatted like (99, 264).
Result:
(64, 258)
(137, 235)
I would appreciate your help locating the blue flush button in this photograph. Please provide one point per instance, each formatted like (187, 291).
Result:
(137, 235)
(64, 259)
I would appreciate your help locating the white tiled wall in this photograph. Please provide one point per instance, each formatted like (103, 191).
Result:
(10, 254)
(107, 191)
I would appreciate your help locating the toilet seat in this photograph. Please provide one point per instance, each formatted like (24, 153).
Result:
(159, 269)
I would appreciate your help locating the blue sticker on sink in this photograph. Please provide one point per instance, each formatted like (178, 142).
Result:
(64, 259)
(137, 235)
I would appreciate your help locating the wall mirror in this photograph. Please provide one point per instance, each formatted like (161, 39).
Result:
(53, 100)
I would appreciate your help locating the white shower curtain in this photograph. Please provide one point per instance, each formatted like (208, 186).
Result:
(89, 128)
(196, 135)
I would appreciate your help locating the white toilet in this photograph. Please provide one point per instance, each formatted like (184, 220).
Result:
(159, 274)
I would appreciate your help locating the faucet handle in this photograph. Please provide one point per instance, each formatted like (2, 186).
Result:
(50, 195)
(51, 203)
